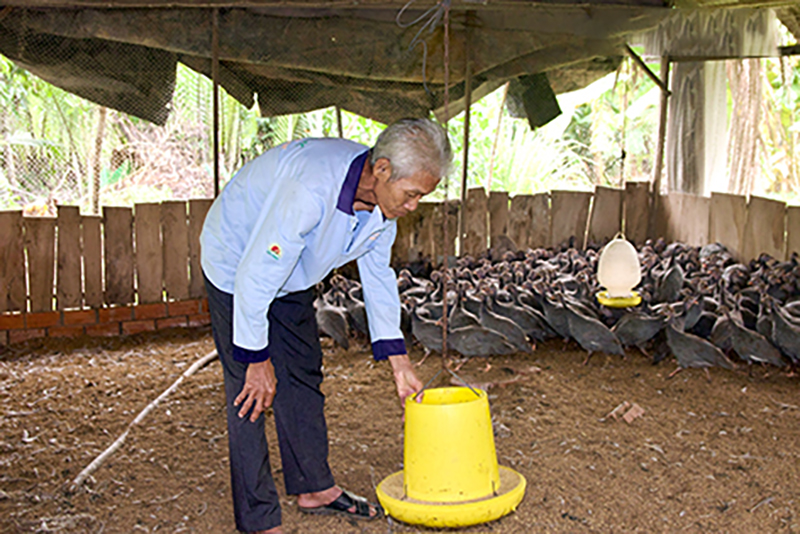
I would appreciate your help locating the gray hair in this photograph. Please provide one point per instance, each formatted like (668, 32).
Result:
(413, 146)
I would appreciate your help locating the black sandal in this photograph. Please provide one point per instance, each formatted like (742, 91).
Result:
(342, 504)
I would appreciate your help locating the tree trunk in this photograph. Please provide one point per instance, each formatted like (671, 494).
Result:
(98, 148)
(746, 79)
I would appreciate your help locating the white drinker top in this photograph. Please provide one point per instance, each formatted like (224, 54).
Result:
(618, 268)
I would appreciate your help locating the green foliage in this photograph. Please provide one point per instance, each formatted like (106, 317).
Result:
(47, 140)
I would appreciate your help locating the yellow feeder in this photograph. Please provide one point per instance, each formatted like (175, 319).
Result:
(450, 477)
(618, 270)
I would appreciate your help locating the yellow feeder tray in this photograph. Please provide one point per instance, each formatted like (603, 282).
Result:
(450, 477)
(451, 515)
(619, 302)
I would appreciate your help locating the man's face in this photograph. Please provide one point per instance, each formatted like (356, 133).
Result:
(400, 197)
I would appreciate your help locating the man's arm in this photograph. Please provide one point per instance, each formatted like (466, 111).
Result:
(382, 302)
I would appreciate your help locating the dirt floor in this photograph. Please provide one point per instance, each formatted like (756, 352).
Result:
(719, 456)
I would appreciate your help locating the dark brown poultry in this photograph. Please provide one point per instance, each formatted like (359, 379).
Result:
(693, 351)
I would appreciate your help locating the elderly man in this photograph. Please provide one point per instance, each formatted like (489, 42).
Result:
(283, 223)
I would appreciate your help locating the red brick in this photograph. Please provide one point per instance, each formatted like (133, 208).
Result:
(65, 331)
(134, 327)
(204, 305)
(18, 336)
(183, 307)
(150, 311)
(172, 322)
(200, 319)
(118, 313)
(80, 317)
(9, 321)
(43, 319)
(102, 330)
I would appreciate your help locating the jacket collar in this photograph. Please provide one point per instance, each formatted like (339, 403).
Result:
(348, 192)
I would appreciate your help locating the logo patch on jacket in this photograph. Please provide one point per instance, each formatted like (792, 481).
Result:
(274, 250)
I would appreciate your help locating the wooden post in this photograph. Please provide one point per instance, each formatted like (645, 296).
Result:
(655, 190)
(467, 105)
(215, 93)
(497, 135)
(339, 126)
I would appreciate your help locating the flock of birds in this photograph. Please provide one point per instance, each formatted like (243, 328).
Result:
(698, 304)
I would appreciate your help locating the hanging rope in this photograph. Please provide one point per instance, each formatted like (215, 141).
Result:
(445, 271)
(431, 17)
(434, 14)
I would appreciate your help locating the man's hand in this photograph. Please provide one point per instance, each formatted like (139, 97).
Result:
(404, 377)
(258, 391)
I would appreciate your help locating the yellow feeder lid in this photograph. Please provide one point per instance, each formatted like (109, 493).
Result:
(634, 299)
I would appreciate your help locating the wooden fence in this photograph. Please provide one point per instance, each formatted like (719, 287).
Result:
(747, 228)
(151, 254)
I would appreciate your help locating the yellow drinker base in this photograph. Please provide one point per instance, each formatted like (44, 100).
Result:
(619, 302)
(460, 514)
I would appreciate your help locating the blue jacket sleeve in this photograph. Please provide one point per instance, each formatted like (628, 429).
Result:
(381, 298)
(271, 254)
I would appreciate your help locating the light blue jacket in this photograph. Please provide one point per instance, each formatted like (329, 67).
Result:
(283, 223)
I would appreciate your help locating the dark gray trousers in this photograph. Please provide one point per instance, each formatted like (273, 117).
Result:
(298, 406)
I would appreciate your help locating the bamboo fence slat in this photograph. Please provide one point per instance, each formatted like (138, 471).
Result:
(40, 245)
(606, 218)
(424, 241)
(149, 253)
(568, 216)
(91, 233)
(438, 229)
(474, 214)
(792, 231)
(68, 274)
(539, 230)
(637, 211)
(13, 295)
(405, 234)
(726, 221)
(694, 220)
(175, 231)
(498, 216)
(764, 229)
(118, 254)
(519, 220)
(198, 208)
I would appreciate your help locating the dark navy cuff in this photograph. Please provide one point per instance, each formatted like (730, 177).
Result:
(381, 350)
(250, 356)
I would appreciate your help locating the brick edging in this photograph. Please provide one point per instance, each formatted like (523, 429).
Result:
(103, 322)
